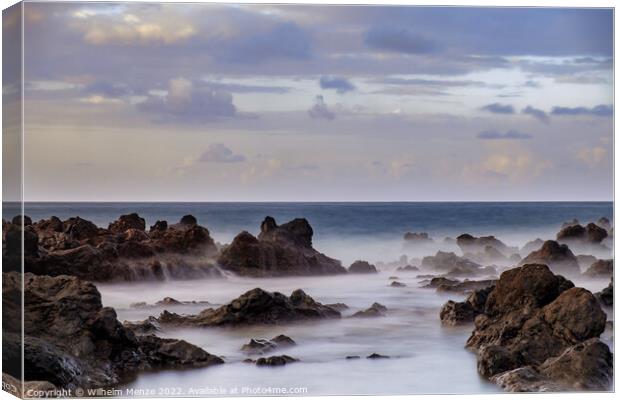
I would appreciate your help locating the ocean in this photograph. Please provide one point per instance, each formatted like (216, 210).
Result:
(425, 357)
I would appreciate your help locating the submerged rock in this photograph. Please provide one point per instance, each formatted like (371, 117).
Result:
(408, 268)
(275, 361)
(531, 318)
(472, 244)
(376, 310)
(260, 346)
(397, 284)
(452, 264)
(417, 237)
(256, 307)
(376, 356)
(278, 251)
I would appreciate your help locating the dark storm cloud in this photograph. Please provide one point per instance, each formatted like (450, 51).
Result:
(283, 41)
(536, 113)
(601, 110)
(497, 135)
(341, 85)
(398, 39)
(497, 108)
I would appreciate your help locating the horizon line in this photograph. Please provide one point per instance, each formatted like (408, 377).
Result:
(306, 202)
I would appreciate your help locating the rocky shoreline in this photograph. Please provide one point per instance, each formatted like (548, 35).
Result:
(533, 330)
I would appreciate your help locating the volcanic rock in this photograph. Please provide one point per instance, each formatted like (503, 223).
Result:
(129, 221)
(278, 251)
(256, 307)
(376, 310)
(532, 318)
(556, 256)
(362, 267)
(601, 268)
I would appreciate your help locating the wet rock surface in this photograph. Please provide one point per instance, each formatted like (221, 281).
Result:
(256, 307)
(533, 322)
(278, 251)
(464, 312)
(72, 341)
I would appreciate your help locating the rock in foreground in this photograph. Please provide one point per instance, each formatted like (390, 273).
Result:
(533, 330)
(72, 341)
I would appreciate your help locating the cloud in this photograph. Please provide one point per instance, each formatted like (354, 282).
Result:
(283, 41)
(244, 88)
(592, 156)
(496, 135)
(398, 40)
(132, 31)
(187, 101)
(341, 85)
(497, 108)
(320, 110)
(219, 153)
(106, 89)
(601, 110)
(536, 113)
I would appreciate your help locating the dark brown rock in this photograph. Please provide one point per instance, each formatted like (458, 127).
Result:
(606, 296)
(278, 251)
(159, 226)
(530, 317)
(376, 310)
(600, 268)
(362, 267)
(591, 233)
(129, 221)
(556, 256)
(72, 341)
(257, 307)
(275, 361)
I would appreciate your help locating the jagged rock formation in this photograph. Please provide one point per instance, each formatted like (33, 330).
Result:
(124, 251)
(278, 251)
(72, 341)
(362, 267)
(256, 307)
(538, 332)
(556, 256)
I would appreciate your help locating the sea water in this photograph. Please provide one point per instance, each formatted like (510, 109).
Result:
(425, 357)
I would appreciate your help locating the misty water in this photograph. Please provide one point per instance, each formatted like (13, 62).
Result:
(425, 357)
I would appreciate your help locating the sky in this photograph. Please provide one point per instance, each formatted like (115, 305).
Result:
(204, 102)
